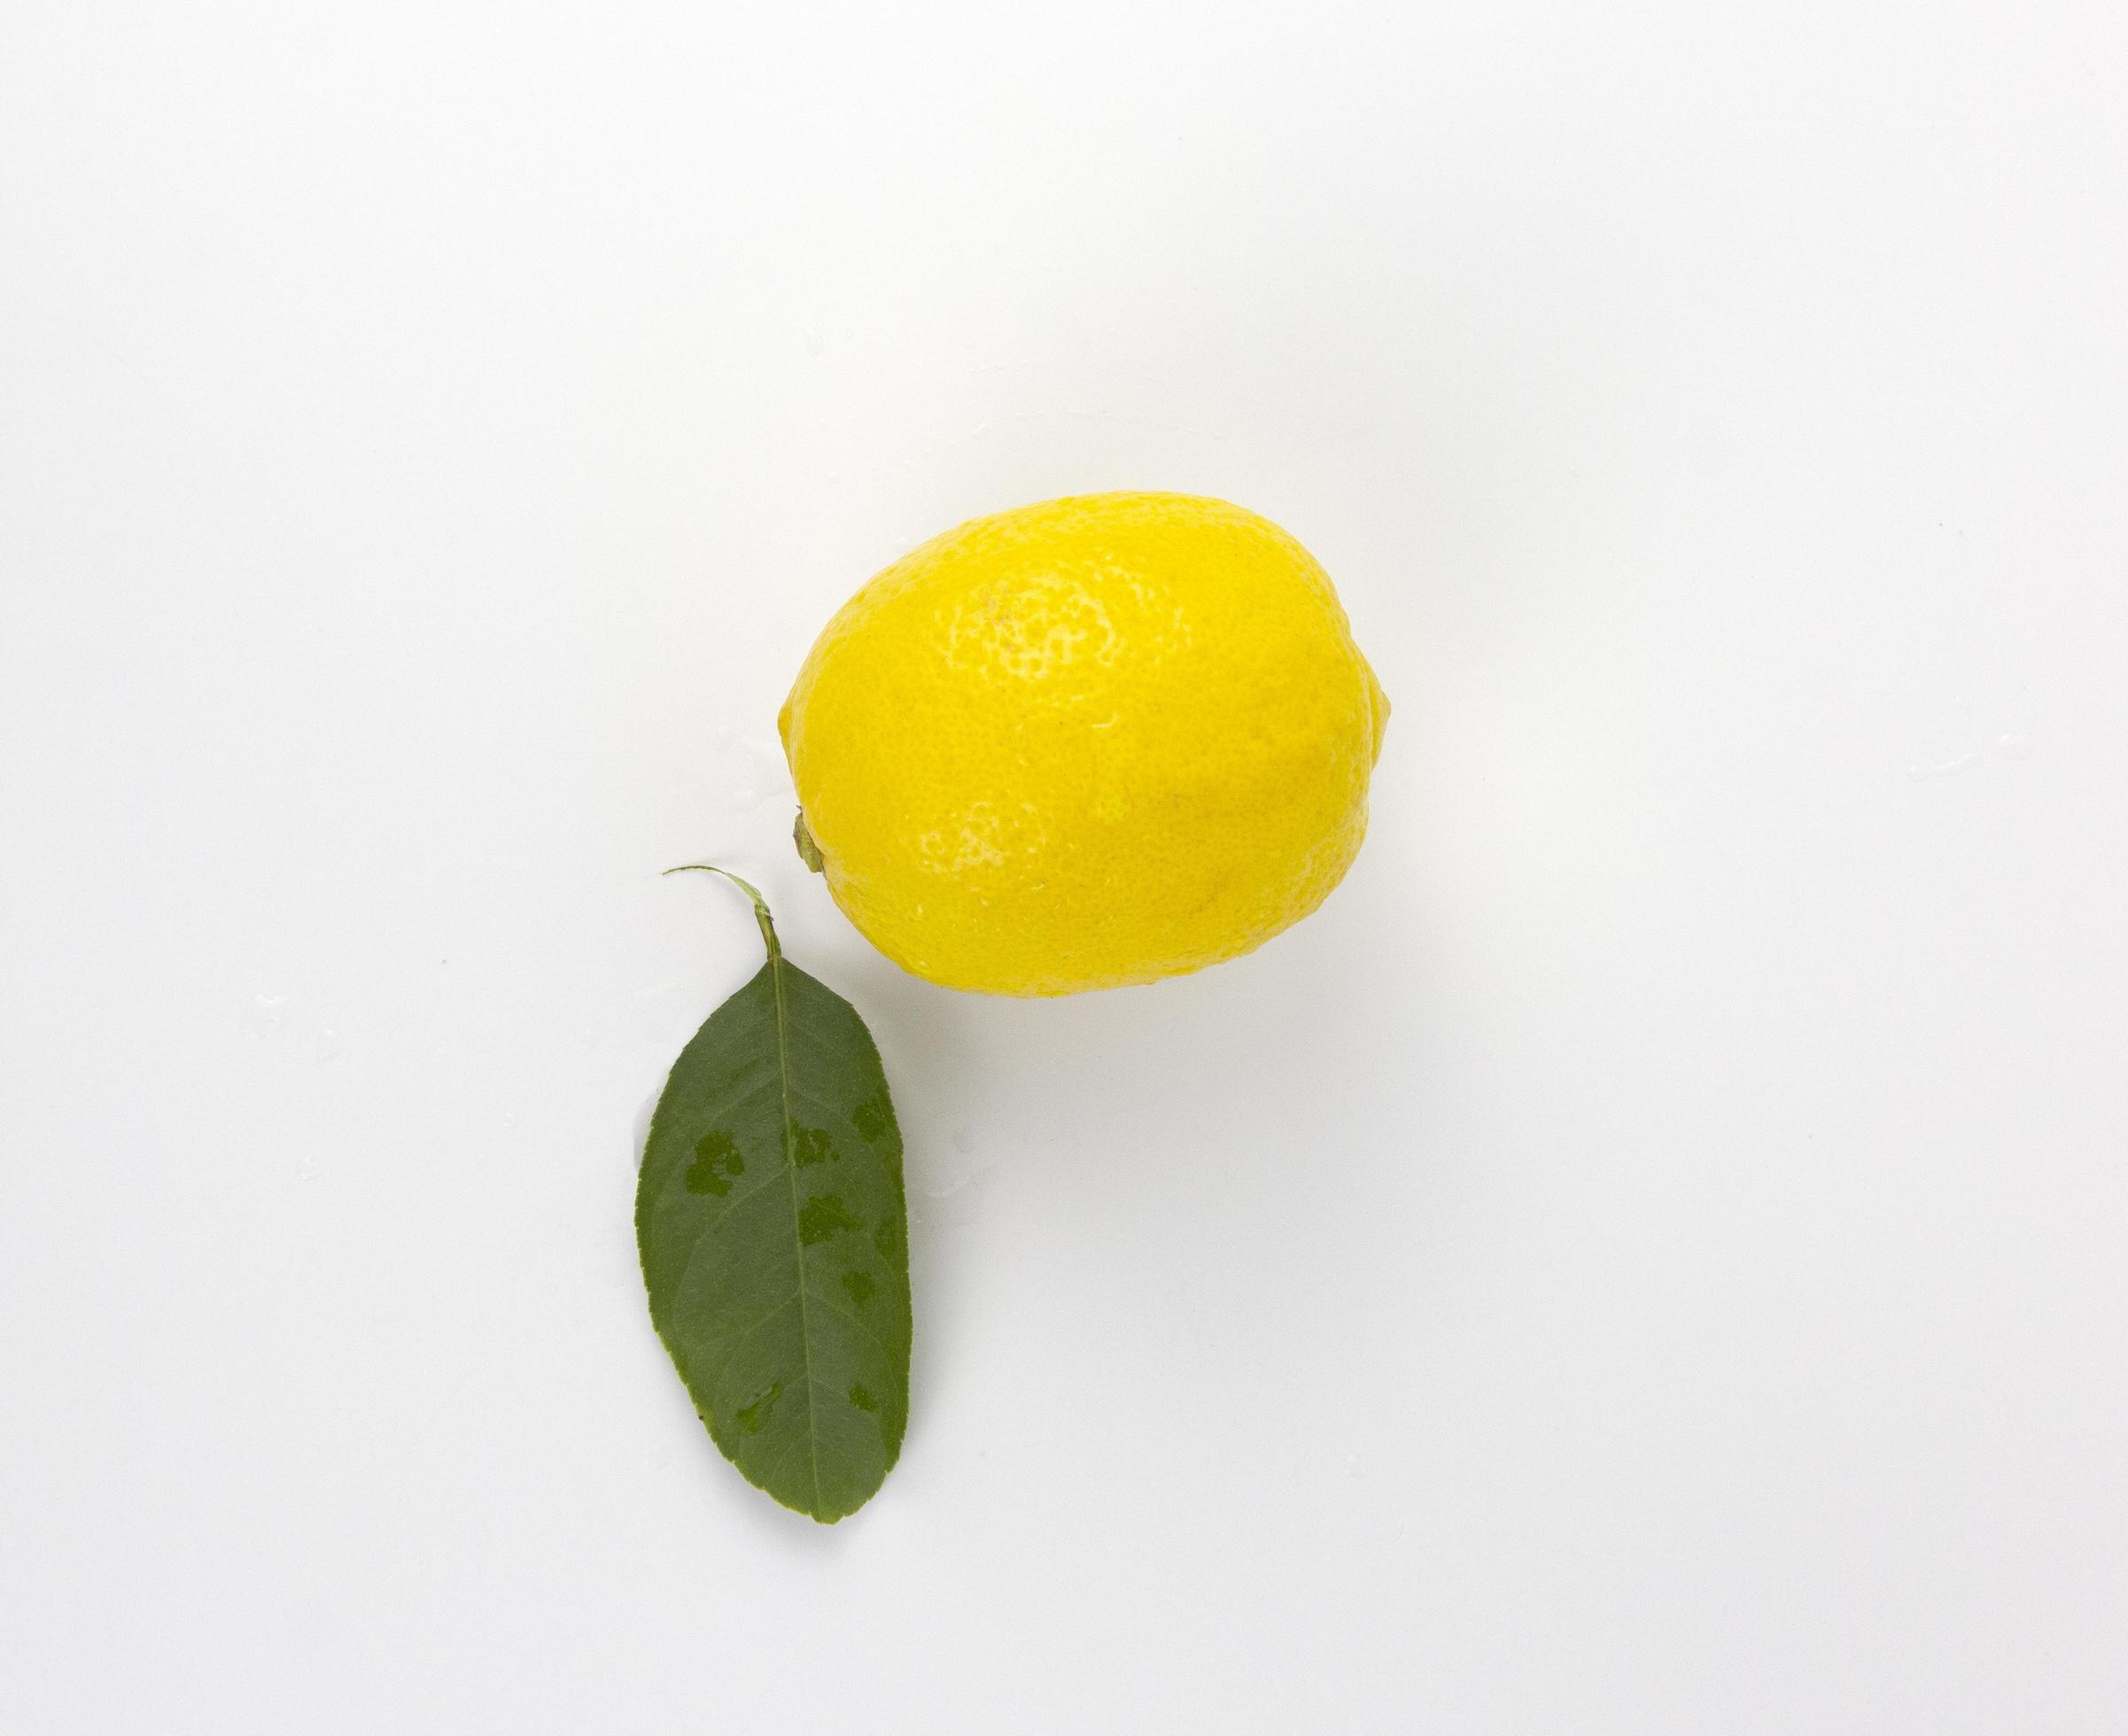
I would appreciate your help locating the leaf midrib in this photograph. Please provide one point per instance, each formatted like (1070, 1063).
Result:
(790, 1170)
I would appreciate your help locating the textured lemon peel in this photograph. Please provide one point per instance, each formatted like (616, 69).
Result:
(1092, 742)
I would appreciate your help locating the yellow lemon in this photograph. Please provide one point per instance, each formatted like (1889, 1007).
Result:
(1091, 742)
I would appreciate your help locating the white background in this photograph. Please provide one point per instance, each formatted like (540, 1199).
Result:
(1647, 1257)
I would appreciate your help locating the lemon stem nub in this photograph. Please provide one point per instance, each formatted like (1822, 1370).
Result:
(809, 852)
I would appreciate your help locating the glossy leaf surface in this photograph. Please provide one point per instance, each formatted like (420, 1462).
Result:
(773, 1232)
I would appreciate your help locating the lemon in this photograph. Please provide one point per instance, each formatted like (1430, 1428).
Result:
(1090, 742)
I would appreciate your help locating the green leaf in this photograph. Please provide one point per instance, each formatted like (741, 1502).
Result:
(774, 1238)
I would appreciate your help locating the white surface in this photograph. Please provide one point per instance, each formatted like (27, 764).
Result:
(1646, 1257)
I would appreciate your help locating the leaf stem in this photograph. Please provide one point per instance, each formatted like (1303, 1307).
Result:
(761, 915)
